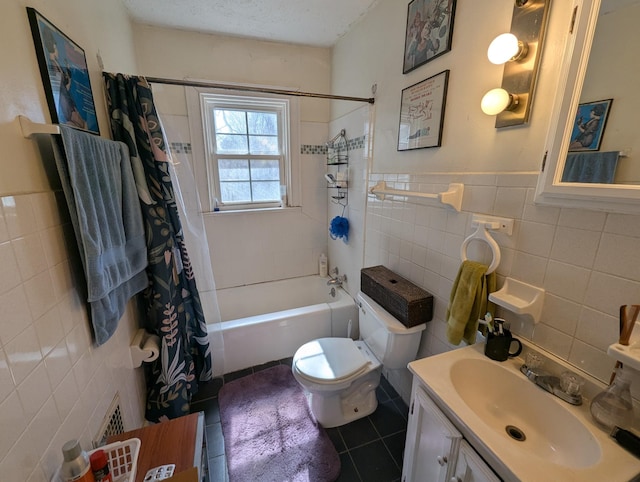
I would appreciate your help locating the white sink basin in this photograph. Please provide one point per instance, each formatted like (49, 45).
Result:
(524, 414)
(549, 439)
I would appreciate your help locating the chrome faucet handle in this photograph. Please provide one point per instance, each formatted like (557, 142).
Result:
(533, 360)
(570, 383)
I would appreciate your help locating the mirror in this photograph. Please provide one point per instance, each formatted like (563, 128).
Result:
(593, 152)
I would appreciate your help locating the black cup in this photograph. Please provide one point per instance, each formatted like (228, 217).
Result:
(498, 347)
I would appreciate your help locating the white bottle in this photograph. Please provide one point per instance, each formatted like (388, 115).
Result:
(323, 265)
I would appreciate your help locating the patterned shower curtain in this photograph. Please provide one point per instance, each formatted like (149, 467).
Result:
(171, 302)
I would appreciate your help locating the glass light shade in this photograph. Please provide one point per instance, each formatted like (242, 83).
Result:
(495, 101)
(504, 48)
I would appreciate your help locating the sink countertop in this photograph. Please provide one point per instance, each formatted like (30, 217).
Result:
(511, 459)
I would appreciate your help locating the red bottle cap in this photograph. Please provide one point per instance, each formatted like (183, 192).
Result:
(98, 460)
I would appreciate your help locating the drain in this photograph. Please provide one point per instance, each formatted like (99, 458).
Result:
(515, 433)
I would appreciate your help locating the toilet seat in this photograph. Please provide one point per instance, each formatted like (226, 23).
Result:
(330, 360)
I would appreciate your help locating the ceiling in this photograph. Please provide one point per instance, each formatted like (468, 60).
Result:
(318, 23)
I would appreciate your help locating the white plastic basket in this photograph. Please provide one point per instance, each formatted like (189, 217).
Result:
(122, 458)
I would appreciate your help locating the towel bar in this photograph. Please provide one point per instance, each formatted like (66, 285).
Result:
(29, 128)
(452, 196)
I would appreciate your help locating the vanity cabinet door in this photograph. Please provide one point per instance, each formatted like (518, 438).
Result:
(432, 443)
(471, 468)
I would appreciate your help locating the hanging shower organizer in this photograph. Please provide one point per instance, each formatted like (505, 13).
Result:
(338, 169)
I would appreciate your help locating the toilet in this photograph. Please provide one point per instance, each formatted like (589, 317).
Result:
(340, 375)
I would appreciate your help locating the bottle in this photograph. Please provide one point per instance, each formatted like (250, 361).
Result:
(323, 265)
(76, 467)
(100, 466)
(613, 407)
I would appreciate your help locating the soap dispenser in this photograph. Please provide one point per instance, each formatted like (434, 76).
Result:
(613, 407)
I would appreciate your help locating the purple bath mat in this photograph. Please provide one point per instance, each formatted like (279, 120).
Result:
(270, 433)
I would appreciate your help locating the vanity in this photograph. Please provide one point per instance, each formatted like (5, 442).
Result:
(475, 419)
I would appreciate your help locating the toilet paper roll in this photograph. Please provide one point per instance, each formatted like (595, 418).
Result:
(151, 348)
(145, 347)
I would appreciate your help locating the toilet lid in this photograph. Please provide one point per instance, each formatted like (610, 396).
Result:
(329, 359)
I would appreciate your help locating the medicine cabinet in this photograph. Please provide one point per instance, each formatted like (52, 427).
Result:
(584, 79)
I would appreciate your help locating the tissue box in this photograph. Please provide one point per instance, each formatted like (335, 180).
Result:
(408, 303)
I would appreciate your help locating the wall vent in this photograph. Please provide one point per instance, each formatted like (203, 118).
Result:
(112, 424)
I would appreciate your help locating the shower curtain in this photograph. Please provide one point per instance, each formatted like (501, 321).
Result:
(172, 305)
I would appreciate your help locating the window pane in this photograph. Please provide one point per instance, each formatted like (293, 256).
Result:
(235, 191)
(263, 123)
(231, 144)
(230, 121)
(233, 169)
(266, 190)
(265, 170)
(264, 145)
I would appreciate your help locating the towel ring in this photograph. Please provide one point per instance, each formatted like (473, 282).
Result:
(483, 235)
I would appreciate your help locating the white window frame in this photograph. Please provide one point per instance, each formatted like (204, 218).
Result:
(205, 100)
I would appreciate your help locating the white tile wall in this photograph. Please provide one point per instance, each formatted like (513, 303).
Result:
(586, 261)
(54, 383)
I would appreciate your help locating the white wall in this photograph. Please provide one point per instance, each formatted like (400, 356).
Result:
(290, 240)
(586, 261)
(54, 383)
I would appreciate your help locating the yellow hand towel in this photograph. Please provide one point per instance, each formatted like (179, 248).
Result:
(468, 301)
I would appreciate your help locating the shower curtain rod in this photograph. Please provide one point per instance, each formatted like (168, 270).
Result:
(191, 83)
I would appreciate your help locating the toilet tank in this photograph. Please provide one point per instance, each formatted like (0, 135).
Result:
(392, 343)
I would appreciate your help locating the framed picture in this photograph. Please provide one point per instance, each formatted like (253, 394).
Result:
(422, 113)
(429, 31)
(63, 67)
(589, 125)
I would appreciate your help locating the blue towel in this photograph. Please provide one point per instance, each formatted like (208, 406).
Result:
(599, 167)
(105, 211)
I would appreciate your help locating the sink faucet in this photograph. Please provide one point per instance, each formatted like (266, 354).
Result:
(336, 278)
(566, 388)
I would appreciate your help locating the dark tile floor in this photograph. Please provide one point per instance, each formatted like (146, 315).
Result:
(371, 449)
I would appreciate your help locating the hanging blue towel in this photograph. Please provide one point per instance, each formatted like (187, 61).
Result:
(98, 184)
(599, 167)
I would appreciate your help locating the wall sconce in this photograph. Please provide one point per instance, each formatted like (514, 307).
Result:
(520, 51)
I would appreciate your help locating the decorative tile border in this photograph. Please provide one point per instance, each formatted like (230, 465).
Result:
(180, 147)
(352, 144)
(311, 149)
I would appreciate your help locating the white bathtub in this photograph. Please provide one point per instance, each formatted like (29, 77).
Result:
(270, 321)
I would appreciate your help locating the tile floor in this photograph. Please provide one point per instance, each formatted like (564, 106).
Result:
(371, 449)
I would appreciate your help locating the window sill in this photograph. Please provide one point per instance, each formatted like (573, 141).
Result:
(251, 211)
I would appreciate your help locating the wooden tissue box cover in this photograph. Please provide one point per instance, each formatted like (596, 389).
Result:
(409, 303)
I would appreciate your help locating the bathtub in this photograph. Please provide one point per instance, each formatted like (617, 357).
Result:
(270, 321)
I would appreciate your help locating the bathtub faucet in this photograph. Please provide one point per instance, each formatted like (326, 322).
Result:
(336, 278)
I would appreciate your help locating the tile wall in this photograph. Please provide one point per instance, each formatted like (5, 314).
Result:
(586, 261)
(55, 385)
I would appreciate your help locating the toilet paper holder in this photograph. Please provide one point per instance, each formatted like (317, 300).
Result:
(144, 347)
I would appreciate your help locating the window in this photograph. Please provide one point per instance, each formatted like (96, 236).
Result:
(247, 150)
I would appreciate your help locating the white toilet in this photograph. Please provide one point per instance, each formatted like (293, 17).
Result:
(340, 375)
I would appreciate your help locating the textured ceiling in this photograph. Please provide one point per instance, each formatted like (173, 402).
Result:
(308, 22)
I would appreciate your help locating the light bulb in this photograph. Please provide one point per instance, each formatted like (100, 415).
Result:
(497, 100)
(506, 47)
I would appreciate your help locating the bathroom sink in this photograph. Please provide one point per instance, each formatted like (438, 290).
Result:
(523, 432)
(524, 414)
